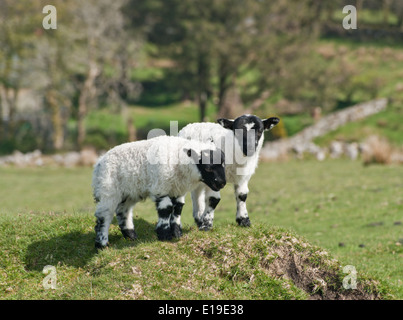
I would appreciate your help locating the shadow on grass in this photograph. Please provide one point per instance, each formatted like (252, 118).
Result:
(77, 248)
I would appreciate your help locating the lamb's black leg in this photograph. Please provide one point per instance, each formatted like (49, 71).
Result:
(175, 220)
(124, 215)
(241, 193)
(165, 208)
(212, 200)
(104, 217)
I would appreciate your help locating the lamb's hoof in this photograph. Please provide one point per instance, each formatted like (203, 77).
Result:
(129, 234)
(199, 223)
(206, 226)
(176, 231)
(243, 222)
(100, 246)
(164, 234)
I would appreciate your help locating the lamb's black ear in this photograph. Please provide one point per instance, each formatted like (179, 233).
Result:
(192, 154)
(270, 123)
(226, 123)
(222, 154)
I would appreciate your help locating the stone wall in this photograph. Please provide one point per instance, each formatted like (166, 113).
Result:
(86, 157)
(302, 142)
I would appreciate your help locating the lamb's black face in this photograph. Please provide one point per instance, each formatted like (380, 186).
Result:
(211, 165)
(248, 130)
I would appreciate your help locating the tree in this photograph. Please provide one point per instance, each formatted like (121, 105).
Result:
(90, 55)
(16, 41)
(215, 43)
(97, 25)
(50, 77)
(386, 12)
(397, 7)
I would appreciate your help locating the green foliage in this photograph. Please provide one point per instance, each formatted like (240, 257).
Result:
(213, 43)
(7, 146)
(295, 123)
(23, 140)
(182, 52)
(159, 86)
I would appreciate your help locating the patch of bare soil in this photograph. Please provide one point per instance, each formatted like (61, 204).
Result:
(321, 281)
(284, 256)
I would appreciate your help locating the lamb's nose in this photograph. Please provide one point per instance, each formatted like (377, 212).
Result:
(220, 183)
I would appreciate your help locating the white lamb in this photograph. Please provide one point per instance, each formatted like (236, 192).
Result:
(241, 139)
(164, 168)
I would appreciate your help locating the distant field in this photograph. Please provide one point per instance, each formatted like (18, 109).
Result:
(352, 211)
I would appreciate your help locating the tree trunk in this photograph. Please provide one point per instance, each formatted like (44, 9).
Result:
(386, 11)
(2, 101)
(57, 121)
(131, 129)
(1, 118)
(222, 83)
(9, 98)
(258, 102)
(203, 78)
(87, 91)
(232, 105)
(399, 13)
(358, 6)
(202, 105)
(400, 22)
(13, 93)
(82, 112)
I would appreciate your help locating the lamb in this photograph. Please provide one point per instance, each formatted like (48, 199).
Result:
(164, 169)
(242, 139)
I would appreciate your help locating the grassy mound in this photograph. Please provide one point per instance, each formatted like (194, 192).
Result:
(229, 262)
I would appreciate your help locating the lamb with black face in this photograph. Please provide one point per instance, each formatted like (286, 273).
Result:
(211, 166)
(243, 136)
(248, 130)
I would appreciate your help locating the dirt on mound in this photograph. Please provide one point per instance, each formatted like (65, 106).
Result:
(320, 282)
(281, 255)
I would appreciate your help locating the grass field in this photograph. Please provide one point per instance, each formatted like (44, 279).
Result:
(46, 218)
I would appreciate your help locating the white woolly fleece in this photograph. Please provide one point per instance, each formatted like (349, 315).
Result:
(148, 168)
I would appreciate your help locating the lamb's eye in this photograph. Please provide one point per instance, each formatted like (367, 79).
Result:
(209, 169)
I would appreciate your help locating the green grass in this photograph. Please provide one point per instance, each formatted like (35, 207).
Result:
(45, 190)
(337, 202)
(46, 218)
